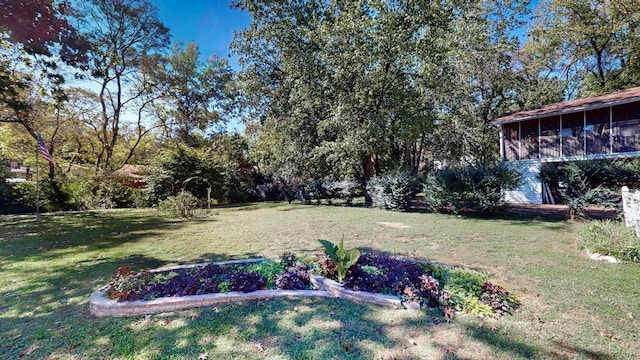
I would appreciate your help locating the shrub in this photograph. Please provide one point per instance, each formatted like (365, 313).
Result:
(182, 205)
(611, 238)
(393, 190)
(477, 188)
(580, 184)
(344, 190)
(169, 170)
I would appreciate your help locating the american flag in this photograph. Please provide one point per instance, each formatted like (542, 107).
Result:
(44, 151)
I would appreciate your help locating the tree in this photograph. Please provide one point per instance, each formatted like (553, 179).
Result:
(194, 93)
(593, 44)
(37, 39)
(174, 165)
(482, 80)
(353, 88)
(334, 86)
(122, 35)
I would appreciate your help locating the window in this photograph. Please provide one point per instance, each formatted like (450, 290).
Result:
(626, 128)
(549, 139)
(511, 141)
(529, 139)
(597, 131)
(572, 134)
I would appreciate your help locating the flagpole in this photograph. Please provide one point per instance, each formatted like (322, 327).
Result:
(37, 185)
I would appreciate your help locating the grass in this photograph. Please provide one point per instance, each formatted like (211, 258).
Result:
(572, 307)
(611, 238)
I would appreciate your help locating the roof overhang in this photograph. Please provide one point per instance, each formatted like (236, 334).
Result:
(573, 106)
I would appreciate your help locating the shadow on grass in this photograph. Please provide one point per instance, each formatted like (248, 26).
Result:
(501, 342)
(293, 329)
(61, 234)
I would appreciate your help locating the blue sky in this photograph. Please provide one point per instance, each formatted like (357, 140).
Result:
(208, 23)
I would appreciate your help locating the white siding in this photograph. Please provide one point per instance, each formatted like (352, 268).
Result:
(530, 192)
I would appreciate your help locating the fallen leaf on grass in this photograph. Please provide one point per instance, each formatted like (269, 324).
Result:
(346, 347)
(29, 350)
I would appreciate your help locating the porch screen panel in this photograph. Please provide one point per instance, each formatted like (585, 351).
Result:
(626, 127)
(550, 137)
(572, 134)
(529, 139)
(511, 141)
(597, 131)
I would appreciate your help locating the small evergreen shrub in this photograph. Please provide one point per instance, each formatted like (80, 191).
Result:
(476, 188)
(392, 190)
(611, 238)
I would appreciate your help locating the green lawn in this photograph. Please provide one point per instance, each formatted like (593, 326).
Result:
(573, 307)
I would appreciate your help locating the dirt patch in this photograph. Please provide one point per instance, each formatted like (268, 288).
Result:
(394, 225)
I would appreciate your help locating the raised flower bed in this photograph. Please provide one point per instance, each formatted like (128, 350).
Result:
(370, 278)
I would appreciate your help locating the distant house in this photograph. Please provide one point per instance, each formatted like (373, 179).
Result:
(606, 126)
(133, 175)
(18, 173)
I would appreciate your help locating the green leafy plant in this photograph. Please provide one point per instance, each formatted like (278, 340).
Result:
(371, 270)
(224, 286)
(392, 190)
(580, 184)
(182, 205)
(477, 188)
(270, 270)
(342, 258)
(611, 238)
(126, 281)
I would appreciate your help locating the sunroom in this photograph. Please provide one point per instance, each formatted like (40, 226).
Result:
(605, 126)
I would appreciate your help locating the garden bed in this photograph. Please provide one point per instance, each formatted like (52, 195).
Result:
(100, 305)
(370, 278)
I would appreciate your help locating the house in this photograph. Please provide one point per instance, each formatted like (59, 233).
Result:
(133, 175)
(605, 126)
(19, 173)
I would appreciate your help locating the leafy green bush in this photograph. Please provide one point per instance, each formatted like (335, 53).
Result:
(344, 189)
(173, 166)
(182, 205)
(476, 188)
(611, 238)
(98, 190)
(580, 184)
(392, 190)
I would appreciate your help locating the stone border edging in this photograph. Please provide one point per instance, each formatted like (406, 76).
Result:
(101, 306)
